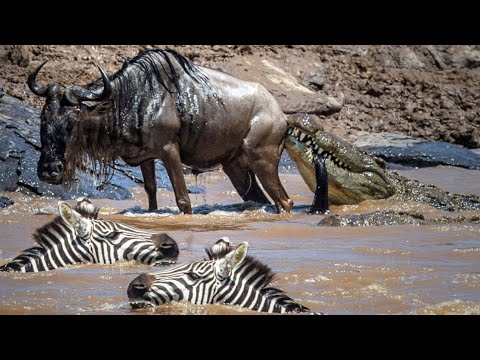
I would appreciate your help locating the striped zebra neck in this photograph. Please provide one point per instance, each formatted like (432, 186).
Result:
(56, 246)
(230, 276)
(250, 287)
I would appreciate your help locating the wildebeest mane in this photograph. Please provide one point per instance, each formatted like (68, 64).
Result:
(149, 62)
(147, 74)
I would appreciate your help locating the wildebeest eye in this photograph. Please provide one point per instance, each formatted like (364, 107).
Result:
(103, 108)
(193, 276)
(113, 235)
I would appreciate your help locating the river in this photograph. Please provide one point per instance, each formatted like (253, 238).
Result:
(402, 269)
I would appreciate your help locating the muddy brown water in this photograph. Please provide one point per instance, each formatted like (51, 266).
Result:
(371, 270)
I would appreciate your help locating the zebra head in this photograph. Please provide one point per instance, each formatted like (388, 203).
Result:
(229, 276)
(122, 241)
(77, 236)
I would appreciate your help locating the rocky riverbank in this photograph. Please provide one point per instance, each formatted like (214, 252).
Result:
(428, 92)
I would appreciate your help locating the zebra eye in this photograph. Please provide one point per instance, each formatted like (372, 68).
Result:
(193, 276)
(113, 235)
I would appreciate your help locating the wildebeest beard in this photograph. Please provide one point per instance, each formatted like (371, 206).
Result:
(89, 148)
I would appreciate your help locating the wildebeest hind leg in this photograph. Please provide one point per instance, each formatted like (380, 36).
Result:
(264, 162)
(171, 160)
(243, 179)
(150, 183)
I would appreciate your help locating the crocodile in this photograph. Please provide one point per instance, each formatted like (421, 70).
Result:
(343, 174)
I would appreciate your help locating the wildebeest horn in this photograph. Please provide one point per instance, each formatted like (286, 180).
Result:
(32, 84)
(77, 94)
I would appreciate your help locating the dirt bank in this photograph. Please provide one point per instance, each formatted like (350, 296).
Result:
(429, 92)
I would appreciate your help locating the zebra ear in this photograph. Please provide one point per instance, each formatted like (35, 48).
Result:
(225, 265)
(236, 257)
(69, 215)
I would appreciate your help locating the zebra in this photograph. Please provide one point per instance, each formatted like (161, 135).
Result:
(228, 276)
(77, 236)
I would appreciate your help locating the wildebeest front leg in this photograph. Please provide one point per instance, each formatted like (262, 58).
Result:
(173, 164)
(243, 179)
(150, 183)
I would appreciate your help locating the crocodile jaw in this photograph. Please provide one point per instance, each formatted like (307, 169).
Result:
(345, 186)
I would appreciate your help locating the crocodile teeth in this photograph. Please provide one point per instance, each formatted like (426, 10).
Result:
(302, 136)
(308, 143)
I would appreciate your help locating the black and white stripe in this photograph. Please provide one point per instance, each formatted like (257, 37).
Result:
(77, 237)
(229, 276)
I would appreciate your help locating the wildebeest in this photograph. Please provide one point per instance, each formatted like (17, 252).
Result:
(162, 106)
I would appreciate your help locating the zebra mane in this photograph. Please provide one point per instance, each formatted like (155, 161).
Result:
(263, 273)
(266, 275)
(40, 235)
(223, 246)
(84, 207)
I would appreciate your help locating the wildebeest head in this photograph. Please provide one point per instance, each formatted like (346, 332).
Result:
(59, 114)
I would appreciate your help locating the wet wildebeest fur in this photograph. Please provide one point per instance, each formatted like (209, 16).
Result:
(162, 106)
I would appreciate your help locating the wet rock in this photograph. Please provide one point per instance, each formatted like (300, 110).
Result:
(409, 151)
(5, 202)
(429, 153)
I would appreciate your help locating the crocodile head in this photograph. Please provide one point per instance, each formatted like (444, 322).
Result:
(353, 175)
